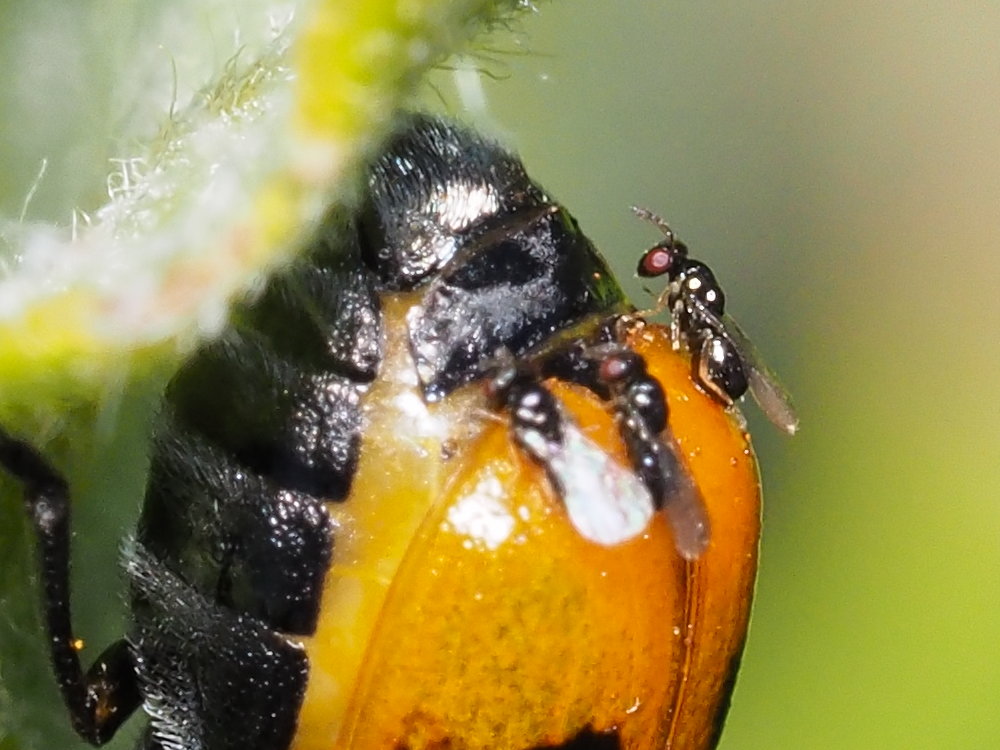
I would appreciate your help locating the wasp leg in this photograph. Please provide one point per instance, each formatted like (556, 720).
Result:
(108, 693)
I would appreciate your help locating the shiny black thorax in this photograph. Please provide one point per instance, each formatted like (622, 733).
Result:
(262, 428)
(498, 264)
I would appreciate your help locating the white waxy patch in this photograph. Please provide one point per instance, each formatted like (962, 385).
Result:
(482, 515)
(605, 501)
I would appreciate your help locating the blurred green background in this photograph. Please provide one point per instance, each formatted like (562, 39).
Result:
(838, 164)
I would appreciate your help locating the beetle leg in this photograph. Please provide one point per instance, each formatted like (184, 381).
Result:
(108, 693)
(148, 741)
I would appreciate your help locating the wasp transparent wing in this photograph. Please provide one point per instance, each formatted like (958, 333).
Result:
(606, 502)
(682, 504)
(767, 390)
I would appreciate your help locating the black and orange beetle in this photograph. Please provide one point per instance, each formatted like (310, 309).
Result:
(437, 486)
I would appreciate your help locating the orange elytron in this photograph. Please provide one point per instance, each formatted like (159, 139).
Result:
(484, 620)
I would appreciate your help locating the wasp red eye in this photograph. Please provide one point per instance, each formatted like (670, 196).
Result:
(656, 262)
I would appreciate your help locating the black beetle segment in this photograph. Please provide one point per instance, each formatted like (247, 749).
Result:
(211, 678)
(234, 536)
(511, 288)
(434, 184)
(503, 266)
(298, 427)
(281, 390)
(322, 317)
(502, 259)
(587, 739)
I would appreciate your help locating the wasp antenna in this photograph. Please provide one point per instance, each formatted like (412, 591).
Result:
(646, 215)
